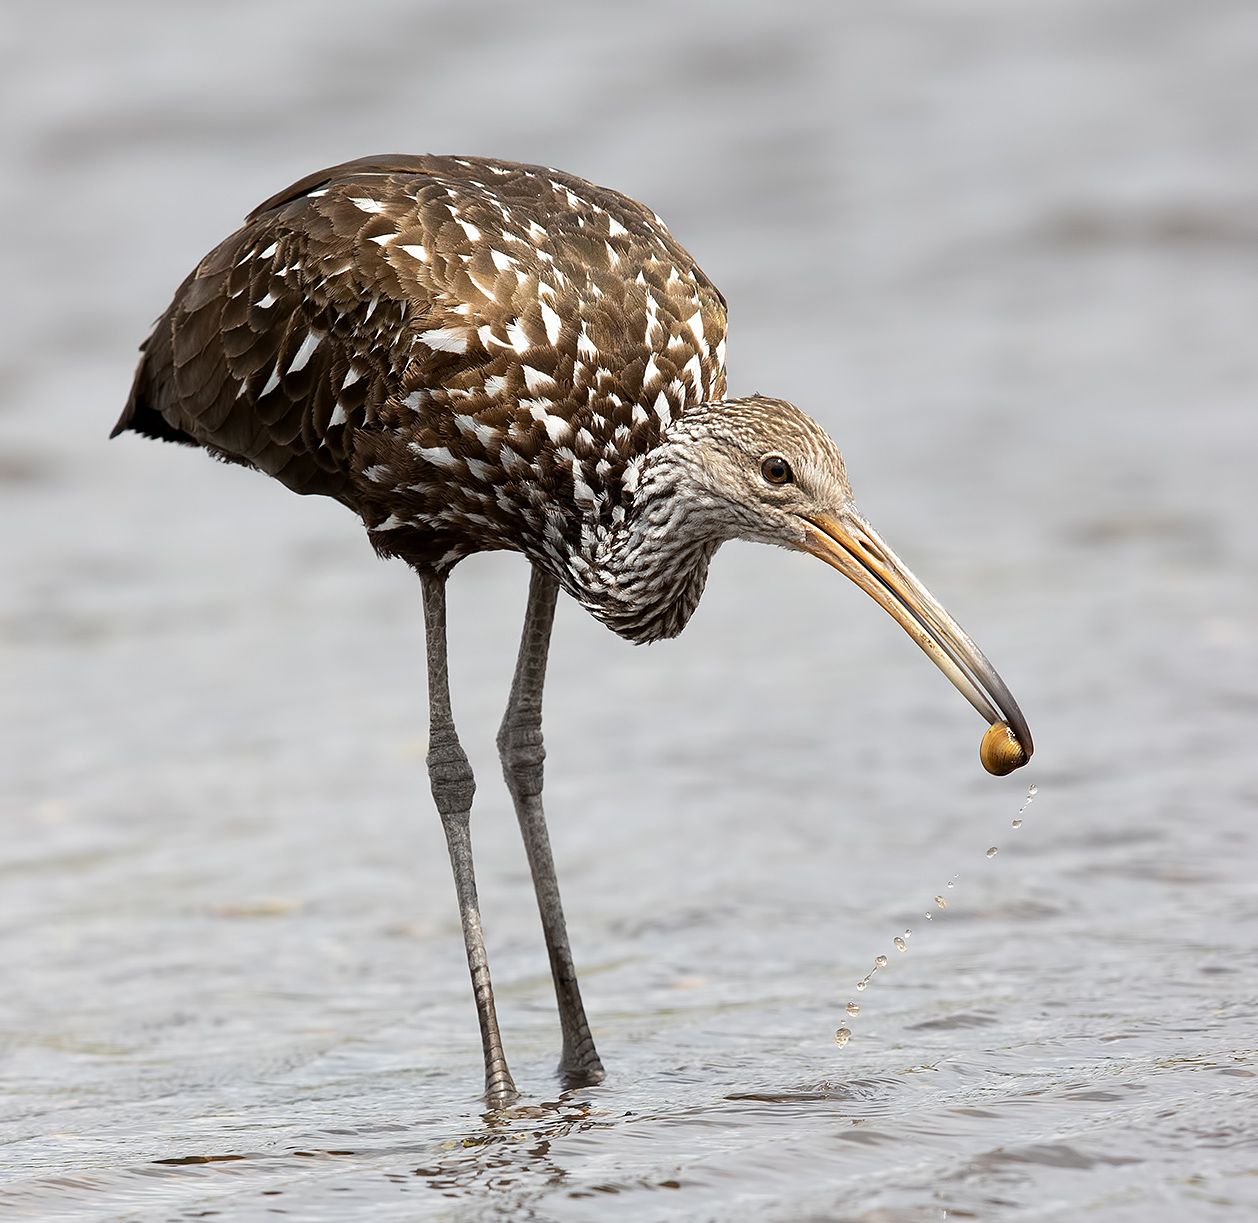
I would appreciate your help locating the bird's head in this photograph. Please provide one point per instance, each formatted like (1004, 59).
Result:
(766, 472)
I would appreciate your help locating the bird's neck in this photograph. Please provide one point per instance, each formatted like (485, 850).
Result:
(645, 577)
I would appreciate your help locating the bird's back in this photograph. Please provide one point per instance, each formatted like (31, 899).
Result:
(471, 354)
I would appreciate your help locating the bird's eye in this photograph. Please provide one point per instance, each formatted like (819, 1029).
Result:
(776, 470)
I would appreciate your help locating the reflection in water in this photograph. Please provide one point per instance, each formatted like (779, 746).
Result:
(510, 1151)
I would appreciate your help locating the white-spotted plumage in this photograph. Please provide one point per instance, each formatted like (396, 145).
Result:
(470, 354)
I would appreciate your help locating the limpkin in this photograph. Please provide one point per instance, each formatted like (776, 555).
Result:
(473, 355)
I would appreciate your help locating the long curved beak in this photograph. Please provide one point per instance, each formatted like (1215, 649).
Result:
(855, 549)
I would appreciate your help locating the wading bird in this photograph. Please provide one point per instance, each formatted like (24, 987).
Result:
(475, 355)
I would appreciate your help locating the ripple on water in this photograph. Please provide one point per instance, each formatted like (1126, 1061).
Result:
(867, 1097)
(961, 1019)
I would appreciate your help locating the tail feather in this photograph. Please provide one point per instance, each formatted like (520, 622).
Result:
(140, 415)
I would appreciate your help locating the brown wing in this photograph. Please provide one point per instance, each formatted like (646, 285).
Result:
(273, 346)
(437, 342)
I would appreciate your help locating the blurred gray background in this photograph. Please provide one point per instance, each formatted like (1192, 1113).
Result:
(1008, 255)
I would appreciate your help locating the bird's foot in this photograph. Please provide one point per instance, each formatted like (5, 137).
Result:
(582, 1067)
(500, 1090)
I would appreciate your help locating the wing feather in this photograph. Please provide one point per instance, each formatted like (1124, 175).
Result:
(495, 337)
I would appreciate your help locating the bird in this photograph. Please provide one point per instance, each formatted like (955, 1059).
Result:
(478, 355)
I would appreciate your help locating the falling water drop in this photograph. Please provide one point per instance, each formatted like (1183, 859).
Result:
(900, 942)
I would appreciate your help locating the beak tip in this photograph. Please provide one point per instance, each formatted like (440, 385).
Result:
(1000, 751)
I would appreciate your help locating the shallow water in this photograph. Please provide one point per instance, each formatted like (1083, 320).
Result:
(1010, 260)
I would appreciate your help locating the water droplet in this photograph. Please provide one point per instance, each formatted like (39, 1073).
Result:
(991, 853)
(941, 902)
(864, 981)
(880, 961)
(928, 917)
(1017, 823)
(952, 883)
(842, 1036)
(900, 944)
(1032, 791)
(908, 934)
(853, 1008)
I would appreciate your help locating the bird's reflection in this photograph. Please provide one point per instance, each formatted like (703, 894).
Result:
(507, 1152)
(511, 1148)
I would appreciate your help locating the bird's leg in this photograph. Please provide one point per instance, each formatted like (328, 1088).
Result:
(520, 745)
(453, 787)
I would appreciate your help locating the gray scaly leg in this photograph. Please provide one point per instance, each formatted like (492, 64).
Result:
(520, 745)
(453, 787)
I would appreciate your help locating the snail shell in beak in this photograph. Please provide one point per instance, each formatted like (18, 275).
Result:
(1000, 751)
